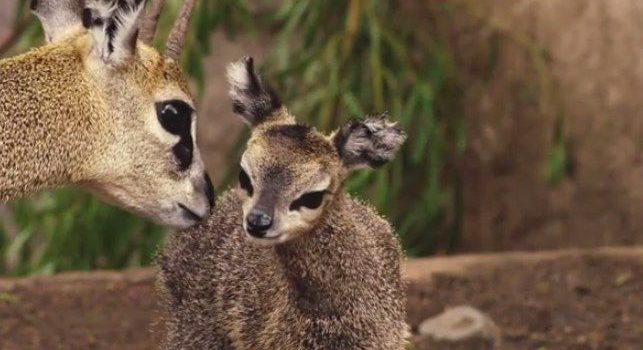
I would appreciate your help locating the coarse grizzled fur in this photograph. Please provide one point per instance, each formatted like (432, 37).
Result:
(289, 261)
(337, 287)
(46, 130)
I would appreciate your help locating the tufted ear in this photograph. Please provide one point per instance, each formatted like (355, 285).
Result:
(59, 18)
(252, 100)
(113, 24)
(368, 143)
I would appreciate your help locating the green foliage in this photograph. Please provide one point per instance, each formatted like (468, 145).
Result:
(336, 60)
(70, 230)
(559, 165)
(333, 60)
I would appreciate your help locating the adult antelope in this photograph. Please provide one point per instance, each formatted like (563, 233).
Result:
(98, 107)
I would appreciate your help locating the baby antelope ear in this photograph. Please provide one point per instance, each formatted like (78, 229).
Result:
(368, 143)
(113, 25)
(59, 18)
(252, 100)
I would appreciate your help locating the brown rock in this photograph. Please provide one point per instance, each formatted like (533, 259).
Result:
(460, 327)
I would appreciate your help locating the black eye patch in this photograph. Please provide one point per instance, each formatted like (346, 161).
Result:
(310, 200)
(175, 117)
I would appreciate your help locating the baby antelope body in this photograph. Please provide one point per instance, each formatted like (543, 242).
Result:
(99, 108)
(288, 260)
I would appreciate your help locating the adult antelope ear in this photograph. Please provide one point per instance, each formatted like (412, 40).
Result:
(252, 100)
(371, 142)
(59, 18)
(113, 24)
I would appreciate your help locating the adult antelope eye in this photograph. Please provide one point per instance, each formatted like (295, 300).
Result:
(310, 200)
(245, 183)
(176, 118)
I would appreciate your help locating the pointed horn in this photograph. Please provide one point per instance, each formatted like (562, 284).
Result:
(177, 36)
(150, 20)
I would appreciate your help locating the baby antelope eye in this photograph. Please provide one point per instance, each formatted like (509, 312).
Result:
(245, 183)
(310, 200)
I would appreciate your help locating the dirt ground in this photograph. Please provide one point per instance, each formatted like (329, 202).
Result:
(103, 310)
(571, 302)
(545, 301)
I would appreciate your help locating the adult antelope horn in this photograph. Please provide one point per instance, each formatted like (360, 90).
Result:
(150, 20)
(177, 36)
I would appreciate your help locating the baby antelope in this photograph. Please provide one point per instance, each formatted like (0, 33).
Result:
(288, 260)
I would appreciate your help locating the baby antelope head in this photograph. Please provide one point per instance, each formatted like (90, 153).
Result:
(291, 173)
(146, 159)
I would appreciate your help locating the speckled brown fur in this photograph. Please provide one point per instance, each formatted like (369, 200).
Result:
(54, 116)
(338, 287)
(321, 275)
(35, 111)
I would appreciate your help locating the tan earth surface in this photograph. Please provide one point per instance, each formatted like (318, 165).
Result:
(570, 299)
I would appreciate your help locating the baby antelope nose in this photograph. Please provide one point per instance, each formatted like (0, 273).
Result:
(258, 223)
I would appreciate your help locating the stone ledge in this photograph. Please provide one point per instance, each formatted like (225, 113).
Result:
(531, 297)
(413, 269)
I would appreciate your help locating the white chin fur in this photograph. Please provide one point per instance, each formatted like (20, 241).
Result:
(173, 219)
(181, 224)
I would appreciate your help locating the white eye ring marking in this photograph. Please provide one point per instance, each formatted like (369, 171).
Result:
(171, 108)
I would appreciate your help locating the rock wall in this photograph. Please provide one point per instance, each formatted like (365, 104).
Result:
(593, 73)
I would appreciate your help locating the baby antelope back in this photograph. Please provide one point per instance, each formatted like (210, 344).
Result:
(290, 173)
(100, 108)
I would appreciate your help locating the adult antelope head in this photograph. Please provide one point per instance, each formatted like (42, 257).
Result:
(98, 107)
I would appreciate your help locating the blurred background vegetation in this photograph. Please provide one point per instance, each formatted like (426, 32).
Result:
(332, 60)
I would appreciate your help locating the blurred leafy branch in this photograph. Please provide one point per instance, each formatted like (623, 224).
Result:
(70, 230)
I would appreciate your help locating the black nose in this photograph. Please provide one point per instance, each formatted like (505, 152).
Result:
(258, 223)
(209, 189)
